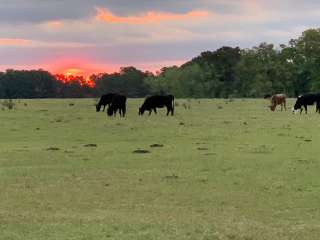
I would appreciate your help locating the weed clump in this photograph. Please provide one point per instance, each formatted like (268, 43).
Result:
(8, 104)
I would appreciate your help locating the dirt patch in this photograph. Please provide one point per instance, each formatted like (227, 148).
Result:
(202, 149)
(53, 149)
(91, 145)
(141, 151)
(156, 145)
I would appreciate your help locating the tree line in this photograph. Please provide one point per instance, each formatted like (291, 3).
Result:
(292, 68)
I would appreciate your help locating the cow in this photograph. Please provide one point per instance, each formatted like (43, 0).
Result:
(157, 101)
(305, 100)
(118, 103)
(105, 100)
(278, 99)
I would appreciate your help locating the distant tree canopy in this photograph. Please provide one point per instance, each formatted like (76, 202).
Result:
(226, 72)
(129, 81)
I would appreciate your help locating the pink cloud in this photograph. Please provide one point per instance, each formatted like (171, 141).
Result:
(55, 24)
(105, 15)
(14, 42)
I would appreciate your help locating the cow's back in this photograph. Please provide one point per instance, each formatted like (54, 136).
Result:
(107, 98)
(310, 98)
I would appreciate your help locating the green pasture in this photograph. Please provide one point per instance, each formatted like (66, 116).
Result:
(220, 169)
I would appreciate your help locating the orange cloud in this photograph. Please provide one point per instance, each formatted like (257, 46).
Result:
(55, 24)
(14, 42)
(105, 15)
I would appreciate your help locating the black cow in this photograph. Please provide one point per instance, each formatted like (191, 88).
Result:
(153, 102)
(105, 100)
(307, 99)
(118, 103)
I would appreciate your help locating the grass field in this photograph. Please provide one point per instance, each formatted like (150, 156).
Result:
(222, 170)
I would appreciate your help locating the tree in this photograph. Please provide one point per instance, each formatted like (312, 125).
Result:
(129, 81)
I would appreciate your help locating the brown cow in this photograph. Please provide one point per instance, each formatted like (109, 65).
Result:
(278, 99)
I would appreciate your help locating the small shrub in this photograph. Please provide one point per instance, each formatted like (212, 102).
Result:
(9, 104)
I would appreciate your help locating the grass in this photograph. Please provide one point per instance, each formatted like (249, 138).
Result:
(218, 169)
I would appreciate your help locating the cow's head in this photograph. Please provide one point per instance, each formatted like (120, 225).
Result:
(297, 105)
(98, 107)
(141, 110)
(272, 107)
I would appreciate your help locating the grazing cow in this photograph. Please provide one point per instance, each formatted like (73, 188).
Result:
(105, 100)
(118, 103)
(153, 102)
(305, 100)
(278, 99)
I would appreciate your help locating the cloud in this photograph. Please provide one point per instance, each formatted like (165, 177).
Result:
(143, 33)
(54, 24)
(17, 42)
(105, 15)
(27, 43)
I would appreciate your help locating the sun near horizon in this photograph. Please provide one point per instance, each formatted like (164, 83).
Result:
(71, 74)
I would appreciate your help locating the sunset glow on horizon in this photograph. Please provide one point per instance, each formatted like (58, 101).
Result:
(71, 73)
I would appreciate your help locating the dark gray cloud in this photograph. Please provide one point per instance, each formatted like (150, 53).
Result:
(21, 11)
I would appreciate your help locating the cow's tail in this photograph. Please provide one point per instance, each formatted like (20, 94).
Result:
(172, 104)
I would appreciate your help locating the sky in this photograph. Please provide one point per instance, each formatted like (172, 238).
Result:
(82, 37)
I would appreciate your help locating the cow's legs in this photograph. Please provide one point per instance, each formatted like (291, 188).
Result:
(155, 110)
(306, 108)
(150, 112)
